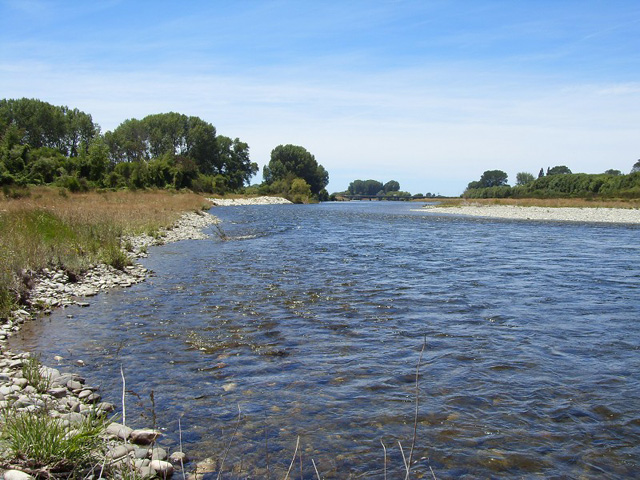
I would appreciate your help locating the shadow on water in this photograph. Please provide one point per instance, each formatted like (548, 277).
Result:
(309, 320)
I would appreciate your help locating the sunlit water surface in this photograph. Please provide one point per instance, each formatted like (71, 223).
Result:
(309, 321)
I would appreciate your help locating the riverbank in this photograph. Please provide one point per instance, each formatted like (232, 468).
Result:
(62, 401)
(234, 202)
(555, 214)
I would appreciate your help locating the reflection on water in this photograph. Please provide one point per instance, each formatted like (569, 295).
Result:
(310, 319)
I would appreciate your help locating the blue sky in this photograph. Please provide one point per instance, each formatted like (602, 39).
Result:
(428, 93)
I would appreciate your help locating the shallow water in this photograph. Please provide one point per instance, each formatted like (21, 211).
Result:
(309, 321)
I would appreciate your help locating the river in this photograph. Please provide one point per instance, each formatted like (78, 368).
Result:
(308, 321)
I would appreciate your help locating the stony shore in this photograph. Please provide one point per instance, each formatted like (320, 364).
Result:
(234, 202)
(559, 214)
(68, 398)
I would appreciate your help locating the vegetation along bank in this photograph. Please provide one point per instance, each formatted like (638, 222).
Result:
(55, 251)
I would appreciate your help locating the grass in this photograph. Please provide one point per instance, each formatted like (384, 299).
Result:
(543, 202)
(40, 441)
(41, 228)
(32, 371)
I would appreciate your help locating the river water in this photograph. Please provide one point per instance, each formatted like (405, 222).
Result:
(308, 321)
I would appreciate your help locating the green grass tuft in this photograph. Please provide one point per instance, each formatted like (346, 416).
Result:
(46, 442)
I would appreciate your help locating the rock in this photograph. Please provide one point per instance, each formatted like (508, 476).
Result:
(73, 418)
(58, 392)
(20, 382)
(162, 469)
(74, 385)
(16, 475)
(208, 465)
(119, 451)
(141, 453)
(106, 407)
(6, 390)
(144, 436)
(118, 430)
(159, 454)
(146, 471)
(88, 396)
(178, 458)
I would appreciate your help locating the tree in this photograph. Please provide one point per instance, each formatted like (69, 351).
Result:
(235, 165)
(613, 172)
(523, 178)
(558, 170)
(44, 125)
(541, 173)
(636, 167)
(391, 186)
(291, 161)
(493, 178)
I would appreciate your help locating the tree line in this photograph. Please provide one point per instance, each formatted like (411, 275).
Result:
(558, 182)
(42, 143)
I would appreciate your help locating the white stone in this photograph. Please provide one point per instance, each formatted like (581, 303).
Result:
(16, 475)
(162, 468)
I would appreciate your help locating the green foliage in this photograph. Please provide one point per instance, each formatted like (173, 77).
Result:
(292, 161)
(636, 167)
(523, 178)
(365, 187)
(579, 185)
(300, 191)
(613, 172)
(40, 124)
(42, 144)
(49, 443)
(559, 170)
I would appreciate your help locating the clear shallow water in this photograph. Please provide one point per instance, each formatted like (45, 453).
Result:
(310, 320)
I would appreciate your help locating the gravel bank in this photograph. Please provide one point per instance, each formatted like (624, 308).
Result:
(232, 202)
(563, 214)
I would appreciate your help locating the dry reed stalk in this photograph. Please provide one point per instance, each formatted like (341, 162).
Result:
(235, 431)
(293, 460)
(385, 459)
(316, 469)
(404, 459)
(417, 395)
(124, 410)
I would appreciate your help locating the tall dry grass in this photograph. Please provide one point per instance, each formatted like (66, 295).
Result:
(47, 227)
